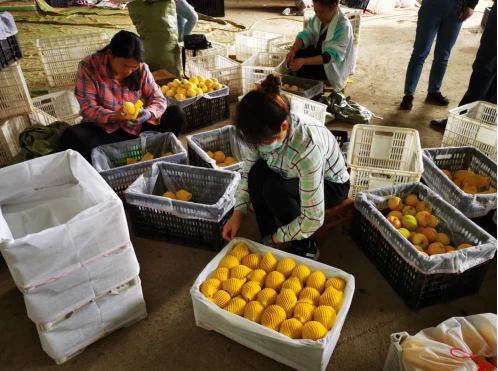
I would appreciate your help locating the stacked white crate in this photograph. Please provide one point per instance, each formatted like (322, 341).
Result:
(64, 237)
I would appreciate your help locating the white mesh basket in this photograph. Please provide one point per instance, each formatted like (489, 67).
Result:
(283, 47)
(473, 124)
(306, 106)
(382, 156)
(60, 56)
(394, 360)
(258, 67)
(9, 137)
(215, 49)
(60, 106)
(248, 43)
(381, 6)
(14, 94)
(227, 71)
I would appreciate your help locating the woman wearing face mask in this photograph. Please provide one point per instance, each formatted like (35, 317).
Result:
(324, 49)
(105, 81)
(293, 170)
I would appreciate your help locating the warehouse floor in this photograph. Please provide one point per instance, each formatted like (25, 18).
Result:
(169, 340)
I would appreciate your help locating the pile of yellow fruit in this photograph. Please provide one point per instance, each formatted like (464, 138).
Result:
(469, 182)
(181, 195)
(280, 295)
(293, 87)
(147, 157)
(221, 159)
(414, 220)
(132, 110)
(184, 89)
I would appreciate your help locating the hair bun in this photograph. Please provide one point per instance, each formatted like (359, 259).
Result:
(272, 83)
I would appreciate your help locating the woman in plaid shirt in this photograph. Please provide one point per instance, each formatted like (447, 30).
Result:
(293, 170)
(105, 81)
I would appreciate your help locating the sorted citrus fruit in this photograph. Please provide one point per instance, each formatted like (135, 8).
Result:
(317, 280)
(274, 280)
(209, 287)
(219, 156)
(221, 274)
(233, 286)
(302, 272)
(236, 306)
(287, 299)
(291, 328)
(169, 195)
(303, 312)
(314, 330)
(229, 262)
(336, 282)
(309, 295)
(267, 297)
(268, 263)
(250, 290)
(183, 195)
(273, 316)
(325, 315)
(252, 261)
(240, 272)
(332, 298)
(286, 266)
(257, 275)
(241, 250)
(294, 284)
(221, 298)
(254, 311)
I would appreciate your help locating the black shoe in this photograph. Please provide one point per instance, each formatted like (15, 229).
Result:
(407, 102)
(268, 241)
(439, 124)
(437, 98)
(310, 252)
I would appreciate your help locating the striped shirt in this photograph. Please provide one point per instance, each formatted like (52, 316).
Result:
(100, 94)
(309, 153)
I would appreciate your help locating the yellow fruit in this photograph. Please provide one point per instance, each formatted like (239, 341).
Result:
(332, 298)
(167, 154)
(182, 91)
(291, 328)
(229, 262)
(233, 286)
(309, 295)
(274, 280)
(301, 89)
(170, 195)
(430, 233)
(131, 161)
(449, 249)
(184, 81)
(267, 297)
(191, 93)
(230, 161)
(236, 306)
(171, 93)
(189, 86)
(201, 78)
(411, 200)
(170, 85)
(217, 86)
(210, 90)
(219, 156)
(409, 222)
(287, 299)
(286, 266)
(273, 316)
(252, 261)
(250, 290)
(268, 263)
(179, 97)
(294, 284)
(193, 80)
(424, 206)
(325, 315)
(209, 287)
(448, 174)
(420, 240)
(294, 87)
(443, 239)
(129, 108)
(405, 232)
(409, 210)
(221, 298)
(241, 250)
(240, 272)
(254, 311)
(286, 86)
(302, 272)
(213, 282)
(435, 249)
(183, 195)
(397, 214)
(257, 275)
(221, 164)
(164, 89)
(198, 91)
(314, 330)
(464, 246)
(176, 83)
(395, 204)
(203, 87)
(303, 312)
(214, 80)
(221, 274)
(335, 282)
(210, 154)
(208, 83)
(147, 157)
(317, 280)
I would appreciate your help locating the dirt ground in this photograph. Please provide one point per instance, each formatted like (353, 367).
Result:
(169, 340)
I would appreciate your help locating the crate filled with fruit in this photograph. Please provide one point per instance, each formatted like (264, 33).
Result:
(286, 307)
(182, 204)
(303, 87)
(463, 176)
(425, 248)
(204, 101)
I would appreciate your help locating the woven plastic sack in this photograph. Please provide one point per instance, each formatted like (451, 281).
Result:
(57, 214)
(461, 230)
(305, 355)
(452, 345)
(459, 158)
(187, 102)
(94, 321)
(8, 26)
(213, 191)
(222, 139)
(52, 301)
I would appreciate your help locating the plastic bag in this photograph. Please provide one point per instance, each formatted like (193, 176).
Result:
(346, 110)
(453, 345)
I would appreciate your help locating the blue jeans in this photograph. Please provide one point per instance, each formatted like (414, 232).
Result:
(186, 17)
(435, 17)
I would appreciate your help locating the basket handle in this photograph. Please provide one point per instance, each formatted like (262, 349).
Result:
(444, 157)
(380, 181)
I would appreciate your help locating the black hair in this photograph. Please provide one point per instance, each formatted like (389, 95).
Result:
(127, 45)
(261, 112)
(328, 3)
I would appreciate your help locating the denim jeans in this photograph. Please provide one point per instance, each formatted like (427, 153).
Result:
(186, 17)
(435, 17)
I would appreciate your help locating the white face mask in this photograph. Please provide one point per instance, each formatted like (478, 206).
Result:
(270, 147)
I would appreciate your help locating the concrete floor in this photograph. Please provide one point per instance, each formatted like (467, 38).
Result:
(169, 340)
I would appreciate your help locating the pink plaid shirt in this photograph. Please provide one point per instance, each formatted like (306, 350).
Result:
(100, 94)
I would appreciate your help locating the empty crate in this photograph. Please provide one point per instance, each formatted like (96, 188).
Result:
(258, 67)
(14, 94)
(248, 43)
(9, 137)
(215, 49)
(61, 106)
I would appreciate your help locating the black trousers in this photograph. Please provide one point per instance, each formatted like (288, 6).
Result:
(86, 136)
(275, 197)
(482, 84)
(316, 72)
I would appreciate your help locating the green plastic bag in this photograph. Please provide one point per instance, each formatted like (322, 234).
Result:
(157, 26)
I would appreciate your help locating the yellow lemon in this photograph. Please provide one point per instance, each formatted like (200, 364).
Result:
(241, 250)
(164, 89)
(292, 328)
(221, 274)
(257, 275)
(317, 280)
(268, 263)
(302, 272)
(233, 286)
(309, 295)
(332, 298)
(200, 79)
(210, 154)
(229, 262)
(219, 157)
(170, 195)
(240, 272)
(176, 83)
(198, 91)
(217, 86)
(170, 85)
(236, 306)
(182, 91)
(287, 299)
(214, 80)
(336, 283)
(208, 83)
(191, 93)
(184, 81)
(203, 87)
(221, 298)
(209, 287)
(274, 280)
(210, 90)
(314, 330)
(303, 312)
(267, 297)
(250, 290)
(273, 316)
(252, 261)
(183, 195)
(254, 311)
(194, 80)
(179, 97)
(129, 108)
(294, 284)
(325, 315)
(170, 93)
(285, 266)
(189, 86)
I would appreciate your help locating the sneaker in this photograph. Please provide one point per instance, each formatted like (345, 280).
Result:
(268, 241)
(407, 102)
(310, 252)
(437, 98)
(439, 124)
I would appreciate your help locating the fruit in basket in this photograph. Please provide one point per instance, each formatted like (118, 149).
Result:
(404, 232)
(412, 234)
(236, 306)
(411, 200)
(301, 89)
(169, 195)
(252, 261)
(240, 272)
(183, 195)
(294, 284)
(325, 315)
(409, 222)
(179, 96)
(217, 86)
(176, 83)
(164, 89)
(267, 297)
(448, 174)
(303, 312)
(423, 206)
(418, 248)
(229, 262)
(210, 90)
(147, 157)
(430, 233)
(394, 221)
(230, 161)
(309, 295)
(286, 266)
(435, 248)
(131, 161)
(194, 80)
(273, 316)
(443, 239)
(302, 272)
(257, 275)
(286, 86)
(209, 287)
(421, 240)
(268, 263)
(397, 214)
(210, 154)
(291, 328)
(191, 93)
(203, 87)
(171, 93)
(254, 311)
(434, 221)
(294, 88)
(241, 250)
(317, 280)
(332, 298)
(250, 290)
(167, 154)
(336, 282)
(449, 249)
(274, 280)
(464, 246)
(423, 218)
(287, 299)
(201, 79)
(221, 274)
(198, 91)
(395, 204)
(221, 298)
(219, 156)
(409, 210)
(314, 330)
(208, 83)
(233, 286)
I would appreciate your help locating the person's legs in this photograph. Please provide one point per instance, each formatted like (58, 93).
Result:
(173, 120)
(181, 26)
(189, 18)
(310, 72)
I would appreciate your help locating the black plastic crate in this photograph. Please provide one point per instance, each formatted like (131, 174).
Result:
(342, 136)
(485, 16)
(415, 288)
(356, 4)
(59, 3)
(213, 8)
(10, 51)
(486, 222)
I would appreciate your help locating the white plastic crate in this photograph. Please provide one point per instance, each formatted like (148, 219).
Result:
(283, 47)
(258, 67)
(9, 137)
(382, 156)
(354, 16)
(306, 106)
(394, 360)
(215, 49)
(473, 124)
(227, 71)
(14, 94)
(60, 56)
(61, 106)
(381, 6)
(248, 43)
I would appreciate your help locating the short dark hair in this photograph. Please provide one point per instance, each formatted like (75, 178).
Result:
(261, 112)
(326, 2)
